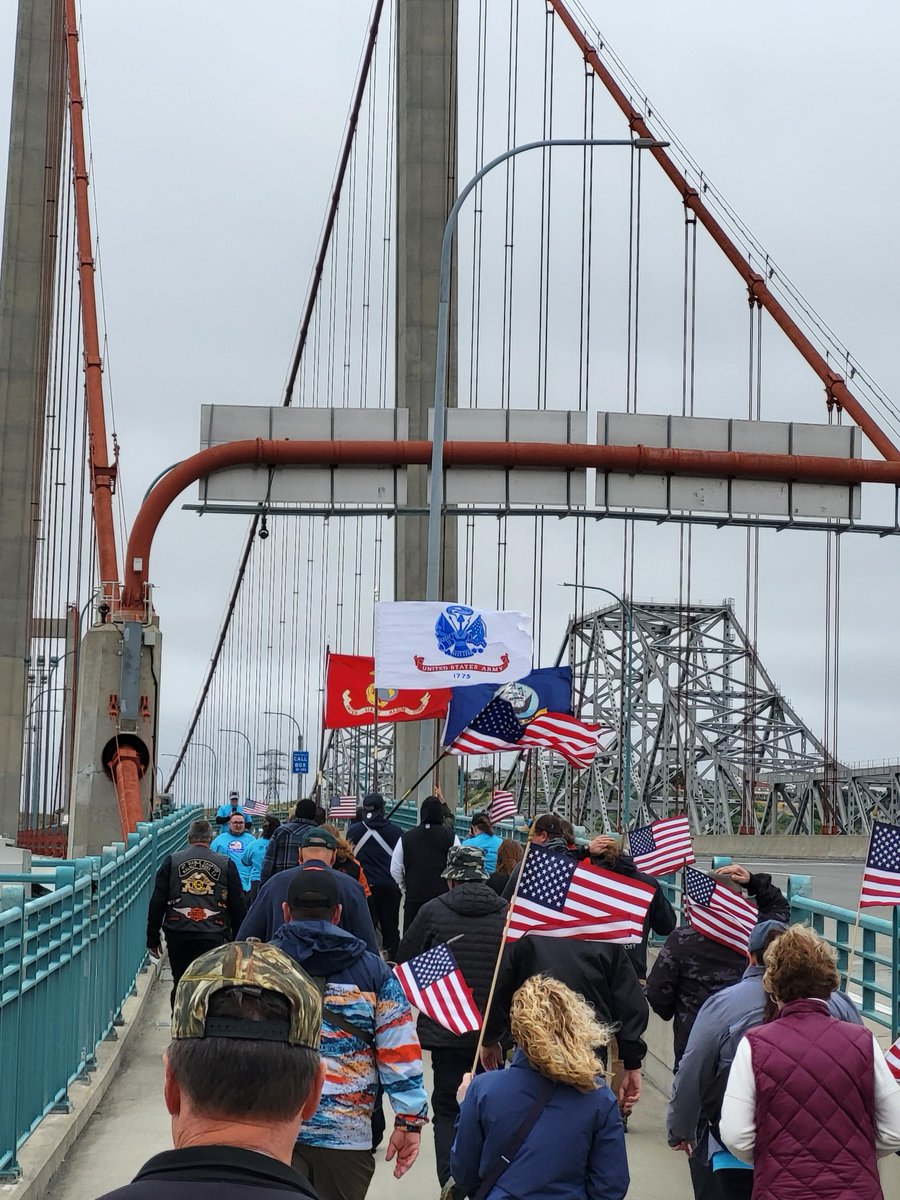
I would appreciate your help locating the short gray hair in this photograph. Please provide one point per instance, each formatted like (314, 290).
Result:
(200, 831)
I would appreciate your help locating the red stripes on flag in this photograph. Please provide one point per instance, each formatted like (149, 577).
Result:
(663, 846)
(503, 806)
(558, 897)
(434, 984)
(881, 879)
(344, 809)
(577, 741)
(892, 1058)
(718, 913)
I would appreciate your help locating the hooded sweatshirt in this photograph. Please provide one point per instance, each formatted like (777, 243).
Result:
(362, 989)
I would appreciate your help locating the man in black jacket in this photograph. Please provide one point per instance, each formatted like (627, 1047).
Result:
(246, 1013)
(691, 967)
(374, 839)
(419, 858)
(197, 901)
(471, 909)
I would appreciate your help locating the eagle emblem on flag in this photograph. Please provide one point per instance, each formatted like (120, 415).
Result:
(460, 631)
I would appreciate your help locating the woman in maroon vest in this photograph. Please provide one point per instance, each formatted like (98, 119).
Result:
(810, 1101)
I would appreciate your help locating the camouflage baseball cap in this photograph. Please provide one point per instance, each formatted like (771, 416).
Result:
(465, 863)
(247, 965)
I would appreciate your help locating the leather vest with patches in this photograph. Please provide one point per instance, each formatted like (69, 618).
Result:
(198, 893)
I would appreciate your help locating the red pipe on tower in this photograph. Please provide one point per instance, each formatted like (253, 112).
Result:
(630, 460)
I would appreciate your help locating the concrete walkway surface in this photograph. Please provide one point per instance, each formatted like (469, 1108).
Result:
(131, 1124)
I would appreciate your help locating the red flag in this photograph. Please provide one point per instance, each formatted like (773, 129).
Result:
(350, 696)
(717, 912)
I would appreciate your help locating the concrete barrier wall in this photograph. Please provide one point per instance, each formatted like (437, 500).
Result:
(754, 848)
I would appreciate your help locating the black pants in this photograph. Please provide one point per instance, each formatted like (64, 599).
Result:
(448, 1065)
(384, 906)
(182, 952)
(703, 1180)
(734, 1184)
(335, 1174)
(410, 909)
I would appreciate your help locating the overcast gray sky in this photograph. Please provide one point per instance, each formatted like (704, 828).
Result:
(215, 130)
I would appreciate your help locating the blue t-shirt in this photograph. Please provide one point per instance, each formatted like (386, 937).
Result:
(489, 844)
(234, 845)
(253, 857)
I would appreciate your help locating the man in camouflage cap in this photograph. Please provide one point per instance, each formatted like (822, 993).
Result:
(242, 1073)
(472, 909)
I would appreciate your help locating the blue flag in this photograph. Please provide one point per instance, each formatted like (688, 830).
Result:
(505, 710)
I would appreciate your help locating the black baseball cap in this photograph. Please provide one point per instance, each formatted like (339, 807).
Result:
(313, 887)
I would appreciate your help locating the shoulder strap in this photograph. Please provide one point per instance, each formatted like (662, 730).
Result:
(512, 1147)
(371, 833)
(339, 1021)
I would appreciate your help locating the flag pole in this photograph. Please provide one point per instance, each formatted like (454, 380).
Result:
(845, 978)
(490, 999)
(424, 775)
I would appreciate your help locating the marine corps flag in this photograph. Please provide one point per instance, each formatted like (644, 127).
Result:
(350, 696)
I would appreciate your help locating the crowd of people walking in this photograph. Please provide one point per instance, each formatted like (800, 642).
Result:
(282, 951)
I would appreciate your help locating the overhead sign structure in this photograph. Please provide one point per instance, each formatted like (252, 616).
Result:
(300, 762)
(449, 645)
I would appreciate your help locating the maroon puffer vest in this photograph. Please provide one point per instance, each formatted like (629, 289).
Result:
(815, 1107)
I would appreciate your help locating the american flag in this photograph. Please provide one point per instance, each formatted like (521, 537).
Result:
(881, 879)
(434, 984)
(503, 806)
(663, 846)
(892, 1058)
(344, 808)
(558, 897)
(498, 728)
(256, 808)
(717, 912)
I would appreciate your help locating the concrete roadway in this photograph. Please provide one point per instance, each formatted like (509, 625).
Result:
(131, 1124)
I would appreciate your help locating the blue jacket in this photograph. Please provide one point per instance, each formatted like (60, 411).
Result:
(575, 1150)
(721, 1023)
(265, 915)
(488, 844)
(254, 855)
(375, 859)
(360, 987)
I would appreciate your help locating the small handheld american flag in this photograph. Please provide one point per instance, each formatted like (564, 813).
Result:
(662, 847)
(344, 808)
(434, 984)
(892, 1058)
(717, 912)
(558, 897)
(503, 806)
(256, 808)
(881, 878)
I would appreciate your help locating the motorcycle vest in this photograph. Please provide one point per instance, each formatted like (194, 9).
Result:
(198, 893)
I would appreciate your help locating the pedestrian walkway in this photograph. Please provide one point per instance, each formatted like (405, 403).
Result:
(131, 1124)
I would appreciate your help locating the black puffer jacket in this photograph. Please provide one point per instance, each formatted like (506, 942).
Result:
(599, 971)
(477, 912)
(660, 918)
(691, 967)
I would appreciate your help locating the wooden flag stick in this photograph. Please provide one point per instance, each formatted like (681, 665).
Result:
(854, 937)
(490, 999)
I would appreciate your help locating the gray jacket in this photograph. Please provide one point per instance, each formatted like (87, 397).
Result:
(721, 1023)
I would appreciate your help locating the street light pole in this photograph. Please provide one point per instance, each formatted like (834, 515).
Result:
(625, 798)
(240, 733)
(436, 499)
(206, 746)
(288, 717)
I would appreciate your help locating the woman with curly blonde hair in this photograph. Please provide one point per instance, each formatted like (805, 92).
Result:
(810, 1102)
(550, 1115)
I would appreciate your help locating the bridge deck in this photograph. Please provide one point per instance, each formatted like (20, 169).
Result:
(131, 1124)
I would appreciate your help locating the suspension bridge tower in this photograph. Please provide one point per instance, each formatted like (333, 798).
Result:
(426, 190)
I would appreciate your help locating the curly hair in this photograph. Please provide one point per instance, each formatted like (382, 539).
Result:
(800, 964)
(558, 1033)
(508, 855)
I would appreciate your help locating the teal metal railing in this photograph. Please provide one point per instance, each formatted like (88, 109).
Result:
(72, 943)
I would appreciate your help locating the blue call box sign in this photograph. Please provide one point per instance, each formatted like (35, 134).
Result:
(300, 762)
